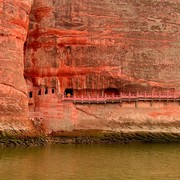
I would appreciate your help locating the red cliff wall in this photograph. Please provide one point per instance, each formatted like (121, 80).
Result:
(14, 19)
(131, 45)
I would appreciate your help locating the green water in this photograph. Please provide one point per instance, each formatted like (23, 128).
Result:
(83, 162)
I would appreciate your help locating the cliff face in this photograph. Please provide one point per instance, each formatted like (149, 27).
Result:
(87, 46)
(93, 46)
(128, 45)
(14, 18)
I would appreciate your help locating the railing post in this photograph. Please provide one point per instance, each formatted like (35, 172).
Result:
(136, 99)
(129, 95)
(112, 97)
(97, 98)
(151, 94)
(82, 97)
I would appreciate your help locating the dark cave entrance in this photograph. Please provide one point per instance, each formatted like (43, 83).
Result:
(39, 92)
(69, 92)
(110, 91)
(46, 91)
(30, 94)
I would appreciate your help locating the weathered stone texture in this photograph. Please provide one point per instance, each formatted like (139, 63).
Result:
(14, 20)
(101, 44)
(131, 45)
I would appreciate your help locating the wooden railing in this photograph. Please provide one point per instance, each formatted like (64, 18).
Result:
(160, 96)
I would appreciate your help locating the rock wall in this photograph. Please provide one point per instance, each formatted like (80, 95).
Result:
(14, 20)
(156, 116)
(129, 45)
(94, 45)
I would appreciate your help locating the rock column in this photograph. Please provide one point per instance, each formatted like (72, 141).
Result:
(14, 21)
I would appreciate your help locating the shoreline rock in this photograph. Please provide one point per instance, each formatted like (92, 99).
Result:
(123, 137)
(92, 137)
(13, 139)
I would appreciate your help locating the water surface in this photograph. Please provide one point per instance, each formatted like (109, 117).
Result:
(84, 162)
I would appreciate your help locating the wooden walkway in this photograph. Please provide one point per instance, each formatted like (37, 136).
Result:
(124, 97)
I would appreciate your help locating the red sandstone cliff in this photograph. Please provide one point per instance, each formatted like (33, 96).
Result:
(95, 45)
(14, 20)
(104, 44)
(129, 45)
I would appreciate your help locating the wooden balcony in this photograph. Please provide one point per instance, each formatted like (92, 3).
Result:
(123, 97)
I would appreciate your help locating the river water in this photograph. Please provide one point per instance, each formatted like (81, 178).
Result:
(84, 162)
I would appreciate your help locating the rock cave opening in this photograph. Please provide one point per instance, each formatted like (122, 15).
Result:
(30, 94)
(46, 91)
(110, 91)
(69, 92)
(39, 92)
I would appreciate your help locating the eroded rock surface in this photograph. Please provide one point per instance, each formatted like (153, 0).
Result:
(88, 46)
(95, 45)
(14, 20)
(131, 45)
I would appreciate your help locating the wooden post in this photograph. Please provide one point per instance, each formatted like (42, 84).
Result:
(166, 97)
(113, 98)
(129, 96)
(82, 97)
(151, 94)
(102, 92)
(88, 97)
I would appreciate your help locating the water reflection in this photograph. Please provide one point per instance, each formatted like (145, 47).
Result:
(79, 162)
